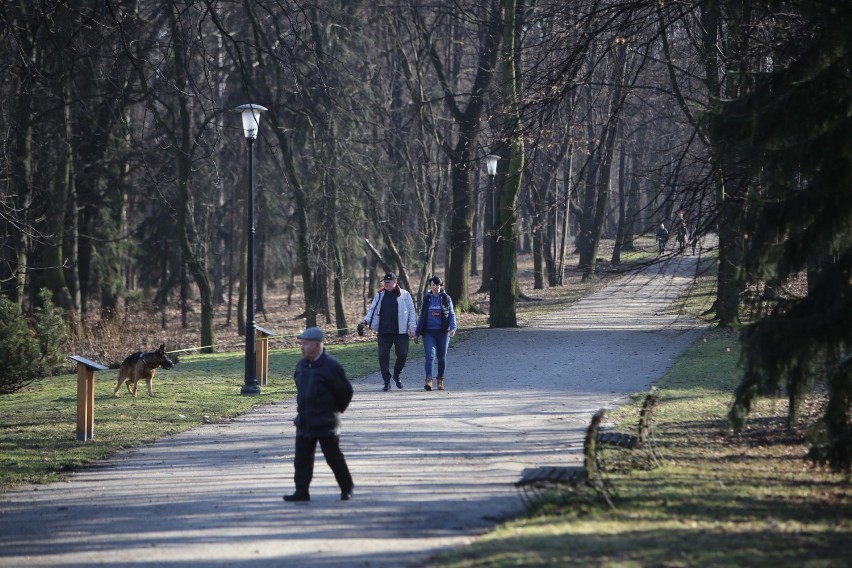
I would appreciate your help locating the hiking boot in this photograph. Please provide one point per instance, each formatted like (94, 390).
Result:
(398, 382)
(440, 383)
(387, 386)
(428, 385)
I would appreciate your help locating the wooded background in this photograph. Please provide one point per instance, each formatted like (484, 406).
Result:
(124, 169)
(128, 170)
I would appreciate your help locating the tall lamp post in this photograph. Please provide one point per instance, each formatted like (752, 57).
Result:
(251, 122)
(491, 165)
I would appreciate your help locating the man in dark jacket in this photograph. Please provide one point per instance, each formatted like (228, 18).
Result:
(322, 393)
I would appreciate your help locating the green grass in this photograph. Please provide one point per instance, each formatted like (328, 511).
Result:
(38, 441)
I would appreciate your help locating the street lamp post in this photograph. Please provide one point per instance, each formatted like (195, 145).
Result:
(491, 165)
(251, 122)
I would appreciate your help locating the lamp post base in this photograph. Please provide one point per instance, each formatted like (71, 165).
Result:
(250, 390)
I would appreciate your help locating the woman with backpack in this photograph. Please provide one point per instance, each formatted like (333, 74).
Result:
(436, 324)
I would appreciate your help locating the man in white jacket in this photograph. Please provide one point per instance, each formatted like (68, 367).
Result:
(393, 318)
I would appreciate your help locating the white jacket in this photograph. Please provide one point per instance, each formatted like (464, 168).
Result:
(407, 318)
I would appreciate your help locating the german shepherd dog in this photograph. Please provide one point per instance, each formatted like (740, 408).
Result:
(142, 366)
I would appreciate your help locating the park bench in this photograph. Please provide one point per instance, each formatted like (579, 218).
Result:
(535, 481)
(643, 439)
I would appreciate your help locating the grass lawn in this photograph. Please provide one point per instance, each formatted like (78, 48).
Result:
(38, 441)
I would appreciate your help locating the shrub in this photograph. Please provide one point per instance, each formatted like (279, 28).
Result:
(28, 354)
(51, 331)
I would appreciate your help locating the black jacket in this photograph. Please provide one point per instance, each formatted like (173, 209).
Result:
(322, 393)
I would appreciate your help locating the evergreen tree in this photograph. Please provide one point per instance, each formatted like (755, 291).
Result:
(29, 352)
(794, 132)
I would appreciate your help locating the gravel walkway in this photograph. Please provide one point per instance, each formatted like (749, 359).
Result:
(432, 469)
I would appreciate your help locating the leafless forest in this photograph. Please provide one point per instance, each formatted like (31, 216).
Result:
(124, 170)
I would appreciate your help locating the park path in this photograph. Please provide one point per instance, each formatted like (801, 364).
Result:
(432, 469)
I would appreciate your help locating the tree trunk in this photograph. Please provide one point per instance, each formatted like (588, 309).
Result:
(503, 292)
(300, 213)
(182, 156)
(458, 271)
(594, 220)
(566, 222)
(54, 276)
(21, 169)
(622, 209)
(461, 155)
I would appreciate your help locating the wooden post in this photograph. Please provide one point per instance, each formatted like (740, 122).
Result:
(262, 354)
(86, 396)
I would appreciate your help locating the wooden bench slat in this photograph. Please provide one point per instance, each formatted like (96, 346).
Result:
(549, 474)
(575, 476)
(620, 439)
(644, 438)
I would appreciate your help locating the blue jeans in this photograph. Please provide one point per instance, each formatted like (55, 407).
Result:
(435, 345)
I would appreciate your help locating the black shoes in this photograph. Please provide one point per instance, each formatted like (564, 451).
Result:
(297, 497)
(301, 497)
(398, 383)
(387, 386)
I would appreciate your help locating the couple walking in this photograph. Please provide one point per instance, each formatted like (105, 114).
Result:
(392, 316)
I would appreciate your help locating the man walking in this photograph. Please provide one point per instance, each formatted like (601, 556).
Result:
(392, 317)
(662, 238)
(322, 394)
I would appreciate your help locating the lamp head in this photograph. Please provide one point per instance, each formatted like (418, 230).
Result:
(251, 119)
(491, 164)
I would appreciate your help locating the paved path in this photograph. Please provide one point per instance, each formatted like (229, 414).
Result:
(432, 470)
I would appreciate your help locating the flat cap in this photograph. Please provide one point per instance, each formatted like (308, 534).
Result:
(311, 334)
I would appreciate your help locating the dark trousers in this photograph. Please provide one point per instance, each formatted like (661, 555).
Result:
(306, 449)
(400, 345)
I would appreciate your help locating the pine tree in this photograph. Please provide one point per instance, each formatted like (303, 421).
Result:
(794, 132)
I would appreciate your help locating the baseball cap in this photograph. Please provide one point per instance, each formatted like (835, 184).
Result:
(389, 276)
(311, 334)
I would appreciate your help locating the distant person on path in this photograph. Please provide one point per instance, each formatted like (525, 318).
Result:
(662, 238)
(680, 230)
(436, 324)
(322, 394)
(392, 316)
(693, 238)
